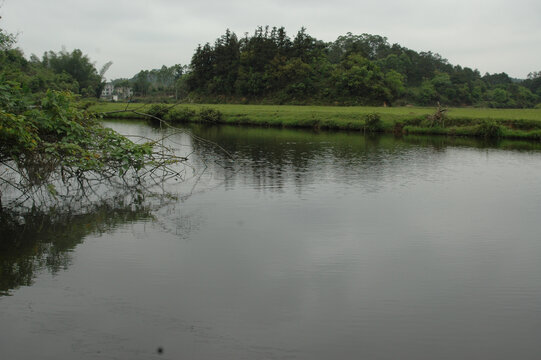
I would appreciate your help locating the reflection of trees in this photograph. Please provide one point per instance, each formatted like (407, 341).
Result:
(441, 142)
(265, 158)
(34, 241)
(272, 157)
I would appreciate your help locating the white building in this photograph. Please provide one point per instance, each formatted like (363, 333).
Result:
(107, 91)
(112, 93)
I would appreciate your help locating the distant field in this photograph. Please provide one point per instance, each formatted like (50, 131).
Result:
(351, 112)
(516, 123)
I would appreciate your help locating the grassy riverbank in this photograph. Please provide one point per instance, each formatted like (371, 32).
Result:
(506, 123)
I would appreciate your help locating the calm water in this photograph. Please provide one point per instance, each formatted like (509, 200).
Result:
(307, 246)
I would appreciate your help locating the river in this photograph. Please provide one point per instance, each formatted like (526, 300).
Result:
(301, 245)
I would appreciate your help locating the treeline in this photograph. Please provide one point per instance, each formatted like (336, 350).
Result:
(164, 82)
(271, 67)
(61, 70)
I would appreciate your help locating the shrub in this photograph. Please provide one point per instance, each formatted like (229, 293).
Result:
(210, 115)
(158, 110)
(84, 105)
(489, 130)
(180, 115)
(398, 127)
(373, 123)
(57, 141)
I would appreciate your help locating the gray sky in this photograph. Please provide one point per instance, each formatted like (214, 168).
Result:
(490, 35)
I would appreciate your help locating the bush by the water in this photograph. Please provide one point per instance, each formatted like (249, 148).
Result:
(373, 122)
(210, 115)
(84, 105)
(489, 130)
(54, 142)
(158, 110)
(180, 115)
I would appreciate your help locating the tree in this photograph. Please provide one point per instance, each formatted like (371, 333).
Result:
(427, 94)
(533, 82)
(79, 67)
(268, 66)
(395, 83)
(369, 46)
(499, 98)
(6, 40)
(56, 144)
(497, 79)
(51, 150)
(202, 67)
(141, 83)
(360, 78)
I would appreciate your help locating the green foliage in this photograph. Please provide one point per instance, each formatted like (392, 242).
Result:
(499, 98)
(79, 67)
(16, 134)
(158, 110)
(56, 71)
(271, 68)
(165, 82)
(210, 115)
(394, 81)
(489, 130)
(458, 121)
(84, 105)
(373, 122)
(56, 141)
(497, 79)
(6, 40)
(270, 65)
(533, 83)
(183, 114)
(360, 78)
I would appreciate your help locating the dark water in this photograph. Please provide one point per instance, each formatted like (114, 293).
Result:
(307, 246)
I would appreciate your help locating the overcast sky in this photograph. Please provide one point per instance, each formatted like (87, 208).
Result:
(490, 35)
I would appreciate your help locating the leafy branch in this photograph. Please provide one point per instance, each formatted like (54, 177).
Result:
(54, 143)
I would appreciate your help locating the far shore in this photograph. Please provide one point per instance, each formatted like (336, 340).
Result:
(480, 122)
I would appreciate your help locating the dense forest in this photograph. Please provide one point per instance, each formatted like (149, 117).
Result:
(355, 69)
(270, 67)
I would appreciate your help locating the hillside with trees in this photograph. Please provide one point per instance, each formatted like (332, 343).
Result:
(271, 67)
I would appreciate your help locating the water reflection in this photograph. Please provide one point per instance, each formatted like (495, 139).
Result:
(36, 241)
(271, 159)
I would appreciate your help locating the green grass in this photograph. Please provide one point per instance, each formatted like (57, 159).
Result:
(516, 123)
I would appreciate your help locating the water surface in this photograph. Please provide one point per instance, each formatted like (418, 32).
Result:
(305, 246)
